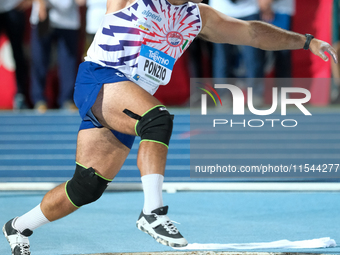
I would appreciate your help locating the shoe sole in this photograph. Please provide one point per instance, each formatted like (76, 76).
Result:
(159, 239)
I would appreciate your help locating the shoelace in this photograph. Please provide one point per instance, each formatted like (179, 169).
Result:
(168, 226)
(24, 249)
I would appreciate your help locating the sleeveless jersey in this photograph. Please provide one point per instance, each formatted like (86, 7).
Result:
(145, 39)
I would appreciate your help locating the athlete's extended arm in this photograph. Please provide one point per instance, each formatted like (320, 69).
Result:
(220, 28)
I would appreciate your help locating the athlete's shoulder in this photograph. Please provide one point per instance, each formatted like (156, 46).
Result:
(207, 12)
(116, 5)
(205, 9)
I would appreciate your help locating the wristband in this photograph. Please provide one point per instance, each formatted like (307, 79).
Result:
(308, 40)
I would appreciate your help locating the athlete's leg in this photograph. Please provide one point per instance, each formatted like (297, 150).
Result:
(97, 148)
(100, 156)
(112, 100)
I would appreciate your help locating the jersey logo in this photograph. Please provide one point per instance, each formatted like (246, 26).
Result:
(175, 39)
(120, 74)
(136, 77)
(144, 28)
(148, 14)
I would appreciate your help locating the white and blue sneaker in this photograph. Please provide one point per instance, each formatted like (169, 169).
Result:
(160, 227)
(18, 241)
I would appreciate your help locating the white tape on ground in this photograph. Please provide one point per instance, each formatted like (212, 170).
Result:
(325, 242)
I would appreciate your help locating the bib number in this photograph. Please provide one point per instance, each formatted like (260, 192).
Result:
(155, 65)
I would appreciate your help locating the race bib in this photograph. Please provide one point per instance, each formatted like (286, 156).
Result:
(155, 66)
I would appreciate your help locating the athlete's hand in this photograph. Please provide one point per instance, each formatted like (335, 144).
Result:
(318, 47)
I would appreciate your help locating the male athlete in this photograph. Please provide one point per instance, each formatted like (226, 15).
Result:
(132, 54)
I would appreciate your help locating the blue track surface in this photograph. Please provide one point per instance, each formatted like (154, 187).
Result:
(108, 225)
(41, 148)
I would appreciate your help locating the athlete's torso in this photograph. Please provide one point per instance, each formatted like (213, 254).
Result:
(145, 39)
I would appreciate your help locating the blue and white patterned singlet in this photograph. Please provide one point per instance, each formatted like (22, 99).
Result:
(145, 39)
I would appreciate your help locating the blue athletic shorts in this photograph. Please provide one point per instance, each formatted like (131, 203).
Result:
(90, 79)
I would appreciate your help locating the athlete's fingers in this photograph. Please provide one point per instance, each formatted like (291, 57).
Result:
(325, 47)
(331, 51)
(323, 55)
(319, 48)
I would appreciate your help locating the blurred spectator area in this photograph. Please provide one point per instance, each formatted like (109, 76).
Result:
(314, 17)
(7, 67)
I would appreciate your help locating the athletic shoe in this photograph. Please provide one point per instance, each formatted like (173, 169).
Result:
(18, 241)
(19, 102)
(41, 107)
(159, 226)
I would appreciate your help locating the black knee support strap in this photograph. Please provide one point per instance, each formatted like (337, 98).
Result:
(86, 186)
(155, 125)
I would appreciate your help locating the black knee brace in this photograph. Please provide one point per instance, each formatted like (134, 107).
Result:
(86, 186)
(155, 125)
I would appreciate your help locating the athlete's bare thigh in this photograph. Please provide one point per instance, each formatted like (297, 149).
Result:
(114, 98)
(100, 149)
